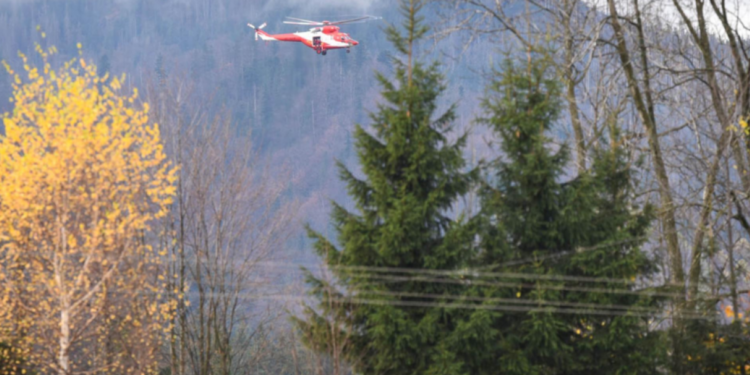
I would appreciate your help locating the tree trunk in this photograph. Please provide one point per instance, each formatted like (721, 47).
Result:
(644, 105)
(63, 356)
(645, 111)
(570, 83)
(701, 38)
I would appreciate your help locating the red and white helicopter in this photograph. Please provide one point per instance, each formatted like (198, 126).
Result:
(323, 37)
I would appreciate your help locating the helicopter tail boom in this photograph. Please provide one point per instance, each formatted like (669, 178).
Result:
(275, 37)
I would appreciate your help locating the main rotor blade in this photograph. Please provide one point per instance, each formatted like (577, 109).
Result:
(351, 20)
(306, 24)
(302, 20)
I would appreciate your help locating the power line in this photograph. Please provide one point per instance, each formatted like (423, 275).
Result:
(554, 310)
(512, 301)
(502, 284)
(560, 253)
(472, 282)
(519, 301)
(524, 285)
(515, 301)
(466, 272)
(531, 305)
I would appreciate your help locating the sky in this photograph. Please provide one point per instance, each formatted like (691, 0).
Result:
(739, 13)
(316, 6)
(325, 3)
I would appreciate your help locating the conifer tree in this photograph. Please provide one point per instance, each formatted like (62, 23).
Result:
(575, 239)
(413, 176)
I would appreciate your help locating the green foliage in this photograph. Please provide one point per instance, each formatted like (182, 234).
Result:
(711, 347)
(573, 309)
(528, 211)
(413, 177)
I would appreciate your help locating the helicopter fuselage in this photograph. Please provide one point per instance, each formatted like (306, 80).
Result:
(321, 39)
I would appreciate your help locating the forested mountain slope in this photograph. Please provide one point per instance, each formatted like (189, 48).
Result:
(299, 106)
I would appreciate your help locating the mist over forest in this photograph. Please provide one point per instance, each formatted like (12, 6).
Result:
(299, 107)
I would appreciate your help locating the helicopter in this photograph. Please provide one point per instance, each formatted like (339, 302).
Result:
(325, 36)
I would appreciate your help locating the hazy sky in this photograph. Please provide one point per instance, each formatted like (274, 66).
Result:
(739, 13)
(325, 3)
(320, 6)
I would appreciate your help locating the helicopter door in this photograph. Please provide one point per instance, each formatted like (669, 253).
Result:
(316, 41)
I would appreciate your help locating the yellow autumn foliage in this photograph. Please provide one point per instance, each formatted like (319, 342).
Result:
(83, 176)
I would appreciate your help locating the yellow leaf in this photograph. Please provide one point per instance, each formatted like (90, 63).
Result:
(729, 312)
(83, 170)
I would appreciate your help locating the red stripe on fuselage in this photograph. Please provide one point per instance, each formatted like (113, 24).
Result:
(287, 37)
(323, 45)
(297, 38)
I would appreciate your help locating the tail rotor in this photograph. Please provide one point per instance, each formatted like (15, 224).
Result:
(257, 28)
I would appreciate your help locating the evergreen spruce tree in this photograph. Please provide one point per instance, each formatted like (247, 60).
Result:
(413, 176)
(577, 239)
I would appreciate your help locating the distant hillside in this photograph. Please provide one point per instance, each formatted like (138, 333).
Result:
(299, 106)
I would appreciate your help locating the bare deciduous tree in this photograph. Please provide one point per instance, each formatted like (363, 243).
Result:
(667, 79)
(228, 217)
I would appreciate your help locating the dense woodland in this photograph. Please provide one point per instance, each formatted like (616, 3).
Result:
(480, 187)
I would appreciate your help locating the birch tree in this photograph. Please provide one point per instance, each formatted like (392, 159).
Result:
(83, 176)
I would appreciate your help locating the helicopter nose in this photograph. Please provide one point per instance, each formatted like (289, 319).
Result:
(354, 42)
